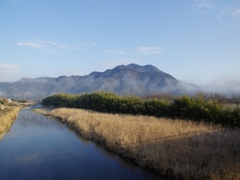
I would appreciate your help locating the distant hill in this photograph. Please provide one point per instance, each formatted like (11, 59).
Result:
(131, 79)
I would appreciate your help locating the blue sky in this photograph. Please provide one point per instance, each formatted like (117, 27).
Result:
(196, 41)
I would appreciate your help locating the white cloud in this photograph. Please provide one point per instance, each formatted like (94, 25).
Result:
(204, 4)
(8, 72)
(8, 68)
(57, 45)
(114, 52)
(236, 13)
(149, 50)
(38, 44)
(203, 12)
(51, 51)
(47, 46)
(30, 44)
(232, 13)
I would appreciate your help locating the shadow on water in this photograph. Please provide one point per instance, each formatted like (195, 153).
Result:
(39, 148)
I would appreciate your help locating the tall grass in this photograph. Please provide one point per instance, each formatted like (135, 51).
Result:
(174, 148)
(6, 118)
(9, 114)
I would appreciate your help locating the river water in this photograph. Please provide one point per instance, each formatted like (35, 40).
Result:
(41, 148)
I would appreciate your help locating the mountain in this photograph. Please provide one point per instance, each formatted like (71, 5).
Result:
(131, 79)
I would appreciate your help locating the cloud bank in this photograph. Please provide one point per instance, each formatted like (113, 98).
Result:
(47, 46)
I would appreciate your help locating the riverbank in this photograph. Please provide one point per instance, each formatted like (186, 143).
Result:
(193, 108)
(173, 148)
(7, 117)
(8, 114)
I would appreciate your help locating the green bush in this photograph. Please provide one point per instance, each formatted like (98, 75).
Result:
(191, 108)
(156, 107)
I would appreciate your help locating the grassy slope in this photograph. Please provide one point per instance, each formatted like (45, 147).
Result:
(167, 146)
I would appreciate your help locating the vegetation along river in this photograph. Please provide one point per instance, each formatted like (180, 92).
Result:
(40, 148)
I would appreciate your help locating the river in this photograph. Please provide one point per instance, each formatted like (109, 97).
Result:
(41, 148)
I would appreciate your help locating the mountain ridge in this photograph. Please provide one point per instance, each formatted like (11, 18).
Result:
(131, 79)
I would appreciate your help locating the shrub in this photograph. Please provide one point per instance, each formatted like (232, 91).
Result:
(155, 107)
(192, 108)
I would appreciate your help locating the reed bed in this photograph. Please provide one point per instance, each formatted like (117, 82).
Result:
(177, 149)
(44, 111)
(6, 118)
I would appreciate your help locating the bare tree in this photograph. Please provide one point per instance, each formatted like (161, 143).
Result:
(205, 95)
(235, 97)
(219, 97)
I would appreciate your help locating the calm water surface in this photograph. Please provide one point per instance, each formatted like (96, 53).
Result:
(40, 148)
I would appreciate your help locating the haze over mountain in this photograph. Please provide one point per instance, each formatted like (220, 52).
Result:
(226, 87)
(131, 79)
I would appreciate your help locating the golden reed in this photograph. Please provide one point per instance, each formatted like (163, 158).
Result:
(175, 148)
(6, 118)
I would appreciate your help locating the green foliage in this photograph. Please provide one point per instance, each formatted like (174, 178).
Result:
(156, 107)
(19, 100)
(185, 107)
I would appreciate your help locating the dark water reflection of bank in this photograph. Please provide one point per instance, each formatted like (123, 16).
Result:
(40, 148)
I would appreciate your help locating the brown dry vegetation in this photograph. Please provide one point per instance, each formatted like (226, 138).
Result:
(8, 114)
(174, 148)
(6, 118)
(44, 111)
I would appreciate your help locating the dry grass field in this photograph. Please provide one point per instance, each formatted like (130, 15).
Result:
(6, 118)
(175, 148)
(9, 114)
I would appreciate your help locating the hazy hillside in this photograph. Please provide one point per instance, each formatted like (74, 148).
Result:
(227, 87)
(123, 80)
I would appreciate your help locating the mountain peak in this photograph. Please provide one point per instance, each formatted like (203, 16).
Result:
(146, 68)
(136, 68)
(123, 80)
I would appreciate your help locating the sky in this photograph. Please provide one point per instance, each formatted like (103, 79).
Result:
(196, 41)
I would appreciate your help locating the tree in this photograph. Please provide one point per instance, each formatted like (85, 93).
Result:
(235, 97)
(166, 96)
(219, 97)
(205, 95)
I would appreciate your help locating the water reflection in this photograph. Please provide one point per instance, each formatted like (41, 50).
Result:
(39, 148)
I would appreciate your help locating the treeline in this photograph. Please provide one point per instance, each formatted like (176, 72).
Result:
(197, 108)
